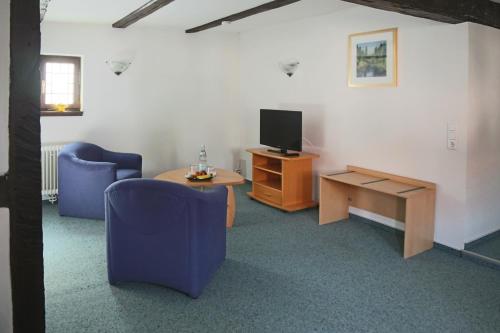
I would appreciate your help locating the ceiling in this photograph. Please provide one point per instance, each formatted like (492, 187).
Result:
(187, 13)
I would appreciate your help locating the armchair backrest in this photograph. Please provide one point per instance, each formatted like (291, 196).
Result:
(146, 206)
(82, 150)
(154, 206)
(165, 233)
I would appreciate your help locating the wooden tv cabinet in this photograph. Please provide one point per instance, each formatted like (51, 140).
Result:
(282, 182)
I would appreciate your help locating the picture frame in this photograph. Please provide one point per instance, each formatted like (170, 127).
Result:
(373, 59)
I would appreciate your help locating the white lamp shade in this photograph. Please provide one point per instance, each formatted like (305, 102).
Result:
(118, 66)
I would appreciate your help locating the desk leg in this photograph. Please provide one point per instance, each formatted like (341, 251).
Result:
(419, 223)
(333, 201)
(231, 207)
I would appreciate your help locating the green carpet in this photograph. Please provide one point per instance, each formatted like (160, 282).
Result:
(283, 273)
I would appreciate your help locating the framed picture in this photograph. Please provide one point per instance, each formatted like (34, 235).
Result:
(373, 59)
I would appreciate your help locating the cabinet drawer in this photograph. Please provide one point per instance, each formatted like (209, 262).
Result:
(267, 193)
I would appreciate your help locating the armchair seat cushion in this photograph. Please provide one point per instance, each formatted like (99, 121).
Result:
(127, 173)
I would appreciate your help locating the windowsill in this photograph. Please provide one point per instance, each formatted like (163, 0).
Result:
(61, 114)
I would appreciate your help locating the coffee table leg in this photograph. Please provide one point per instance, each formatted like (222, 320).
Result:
(231, 207)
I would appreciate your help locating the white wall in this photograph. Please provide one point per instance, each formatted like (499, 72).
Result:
(483, 158)
(185, 90)
(5, 285)
(398, 130)
(181, 91)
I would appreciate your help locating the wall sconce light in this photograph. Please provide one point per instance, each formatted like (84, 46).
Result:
(289, 67)
(118, 66)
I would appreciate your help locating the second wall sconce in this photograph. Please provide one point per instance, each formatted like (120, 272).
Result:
(289, 67)
(118, 66)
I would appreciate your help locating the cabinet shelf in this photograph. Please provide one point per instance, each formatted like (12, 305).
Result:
(273, 168)
(274, 184)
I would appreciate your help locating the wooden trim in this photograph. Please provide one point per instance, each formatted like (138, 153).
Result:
(140, 13)
(25, 202)
(241, 15)
(447, 11)
(61, 114)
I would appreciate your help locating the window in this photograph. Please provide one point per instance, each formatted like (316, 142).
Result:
(61, 82)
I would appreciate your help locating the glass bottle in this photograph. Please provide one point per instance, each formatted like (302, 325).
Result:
(202, 160)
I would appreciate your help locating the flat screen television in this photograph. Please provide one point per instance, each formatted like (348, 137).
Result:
(281, 129)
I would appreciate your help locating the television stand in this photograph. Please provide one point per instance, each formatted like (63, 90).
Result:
(282, 182)
(283, 152)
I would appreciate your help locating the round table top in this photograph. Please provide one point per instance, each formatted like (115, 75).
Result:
(223, 177)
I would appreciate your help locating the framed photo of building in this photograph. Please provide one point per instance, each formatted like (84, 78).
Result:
(373, 59)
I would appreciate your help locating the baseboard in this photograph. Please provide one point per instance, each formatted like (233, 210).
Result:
(482, 239)
(377, 218)
(395, 225)
(482, 260)
(392, 225)
(450, 250)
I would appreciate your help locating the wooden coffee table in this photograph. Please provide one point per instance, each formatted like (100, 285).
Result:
(224, 177)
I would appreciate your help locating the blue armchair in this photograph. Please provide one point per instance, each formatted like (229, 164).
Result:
(165, 233)
(85, 171)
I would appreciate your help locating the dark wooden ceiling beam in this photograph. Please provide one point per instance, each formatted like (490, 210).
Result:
(140, 13)
(241, 15)
(449, 11)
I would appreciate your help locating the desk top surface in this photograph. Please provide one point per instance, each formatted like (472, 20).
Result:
(377, 183)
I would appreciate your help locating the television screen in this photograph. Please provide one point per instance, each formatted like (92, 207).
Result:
(281, 129)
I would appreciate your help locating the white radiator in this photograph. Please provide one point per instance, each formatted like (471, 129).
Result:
(49, 170)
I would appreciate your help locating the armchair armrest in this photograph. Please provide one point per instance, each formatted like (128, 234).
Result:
(92, 172)
(207, 234)
(81, 186)
(123, 160)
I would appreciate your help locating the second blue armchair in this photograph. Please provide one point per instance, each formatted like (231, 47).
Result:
(85, 170)
(165, 233)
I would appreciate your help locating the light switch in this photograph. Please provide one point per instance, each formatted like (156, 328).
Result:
(451, 136)
(452, 144)
(451, 127)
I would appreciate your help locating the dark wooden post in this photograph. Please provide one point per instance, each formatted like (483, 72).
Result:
(24, 179)
(484, 12)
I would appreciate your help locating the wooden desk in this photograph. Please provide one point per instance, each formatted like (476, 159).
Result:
(224, 177)
(404, 199)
